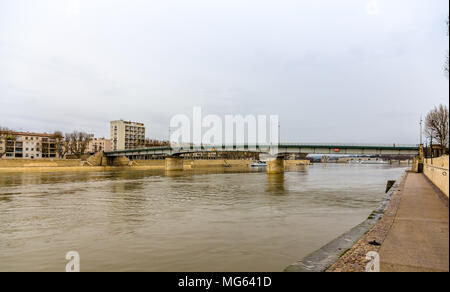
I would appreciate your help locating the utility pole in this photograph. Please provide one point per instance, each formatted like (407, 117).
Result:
(279, 134)
(431, 146)
(421, 131)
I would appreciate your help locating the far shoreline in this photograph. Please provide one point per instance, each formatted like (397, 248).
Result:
(48, 165)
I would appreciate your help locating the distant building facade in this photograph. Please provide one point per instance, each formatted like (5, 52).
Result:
(99, 145)
(27, 145)
(127, 135)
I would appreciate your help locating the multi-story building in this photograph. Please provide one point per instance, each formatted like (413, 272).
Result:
(99, 144)
(127, 135)
(27, 145)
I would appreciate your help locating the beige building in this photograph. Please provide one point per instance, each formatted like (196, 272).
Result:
(27, 145)
(127, 135)
(99, 145)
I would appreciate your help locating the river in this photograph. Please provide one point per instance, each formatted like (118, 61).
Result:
(215, 220)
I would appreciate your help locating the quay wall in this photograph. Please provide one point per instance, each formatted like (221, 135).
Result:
(55, 165)
(4, 163)
(437, 171)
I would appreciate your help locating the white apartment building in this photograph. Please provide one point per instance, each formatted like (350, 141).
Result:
(127, 135)
(27, 145)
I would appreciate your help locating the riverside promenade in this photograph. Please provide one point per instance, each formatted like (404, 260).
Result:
(413, 232)
(418, 240)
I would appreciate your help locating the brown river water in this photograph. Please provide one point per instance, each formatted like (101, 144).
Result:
(215, 220)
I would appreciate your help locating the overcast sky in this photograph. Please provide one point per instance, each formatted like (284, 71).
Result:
(334, 71)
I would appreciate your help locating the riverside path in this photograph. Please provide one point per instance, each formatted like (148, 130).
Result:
(418, 240)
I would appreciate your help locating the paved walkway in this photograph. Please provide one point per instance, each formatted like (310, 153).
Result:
(419, 237)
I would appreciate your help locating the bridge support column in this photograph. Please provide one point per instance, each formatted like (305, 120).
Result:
(97, 159)
(275, 165)
(120, 161)
(174, 164)
(418, 161)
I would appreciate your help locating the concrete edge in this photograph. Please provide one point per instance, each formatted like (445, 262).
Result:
(323, 258)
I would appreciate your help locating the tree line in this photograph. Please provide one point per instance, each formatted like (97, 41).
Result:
(75, 143)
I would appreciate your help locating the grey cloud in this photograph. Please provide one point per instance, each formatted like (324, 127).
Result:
(331, 71)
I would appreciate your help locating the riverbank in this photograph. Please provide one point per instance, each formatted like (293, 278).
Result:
(50, 165)
(412, 235)
(354, 259)
(418, 240)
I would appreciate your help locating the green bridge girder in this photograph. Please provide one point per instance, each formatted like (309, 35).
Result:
(281, 149)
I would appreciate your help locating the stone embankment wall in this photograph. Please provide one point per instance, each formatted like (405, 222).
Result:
(437, 171)
(39, 163)
(99, 162)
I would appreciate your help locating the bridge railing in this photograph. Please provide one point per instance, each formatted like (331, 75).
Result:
(227, 147)
(362, 145)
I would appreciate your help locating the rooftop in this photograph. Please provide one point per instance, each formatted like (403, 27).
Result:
(29, 134)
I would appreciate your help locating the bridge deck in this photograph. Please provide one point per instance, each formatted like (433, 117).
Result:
(283, 148)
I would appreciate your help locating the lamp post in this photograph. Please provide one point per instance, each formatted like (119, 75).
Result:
(431, 149)
(421, 131)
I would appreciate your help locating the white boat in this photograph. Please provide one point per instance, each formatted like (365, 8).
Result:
(375, 162)
(259, 164)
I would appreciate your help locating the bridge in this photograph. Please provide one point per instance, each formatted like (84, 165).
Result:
(275, 164)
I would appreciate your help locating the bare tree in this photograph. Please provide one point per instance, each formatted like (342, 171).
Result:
(3, 134)
(153, 143)
(77, 143)
(2, 142)
(62, 145)
(6, 136)
(437, 126)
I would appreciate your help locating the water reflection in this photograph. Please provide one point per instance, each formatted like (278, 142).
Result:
(275, 184)
(175, 173)
(296, 168)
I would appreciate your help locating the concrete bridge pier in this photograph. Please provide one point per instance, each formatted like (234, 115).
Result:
(174, 164)
(275, 165)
